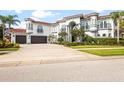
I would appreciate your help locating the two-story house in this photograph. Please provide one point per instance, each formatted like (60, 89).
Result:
(93, 24)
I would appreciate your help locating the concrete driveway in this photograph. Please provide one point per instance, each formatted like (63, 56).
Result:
(45, 53)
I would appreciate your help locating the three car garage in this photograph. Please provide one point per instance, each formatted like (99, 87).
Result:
(21, 39)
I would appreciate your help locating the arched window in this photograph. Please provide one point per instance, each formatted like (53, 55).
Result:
(40, 29)
(72, 24)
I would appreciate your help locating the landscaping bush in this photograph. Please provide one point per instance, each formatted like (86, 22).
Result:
(8, 45)
(94, 41)
(122, 42)
(72, 43)
(60, 40)
(105, 41)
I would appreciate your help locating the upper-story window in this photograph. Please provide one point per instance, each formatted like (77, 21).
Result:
(29, 26)
(87, 26)
(63, 28)
(101, 24)
(39, 29)
(109, 26)
(105, 24)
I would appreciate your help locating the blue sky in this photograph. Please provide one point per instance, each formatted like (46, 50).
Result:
(48, 15)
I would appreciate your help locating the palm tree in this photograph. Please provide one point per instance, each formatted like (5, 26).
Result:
(3, 26)
(117, 18)
(11, 20)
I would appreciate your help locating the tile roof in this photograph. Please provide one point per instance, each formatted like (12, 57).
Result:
(18, 30)
(104, 17)
(73, 16)
(43, 23)
(38, 22)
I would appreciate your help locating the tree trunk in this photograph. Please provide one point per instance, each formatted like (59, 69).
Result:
(118, 28)
(3, 34)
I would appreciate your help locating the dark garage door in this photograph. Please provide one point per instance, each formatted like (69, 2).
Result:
(38, 39)
(21, 39)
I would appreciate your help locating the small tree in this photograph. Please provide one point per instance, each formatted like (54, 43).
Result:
(3, 26)
(117, 18)
(50, 38)
(60, 40)
(63, 35)
(77, 33)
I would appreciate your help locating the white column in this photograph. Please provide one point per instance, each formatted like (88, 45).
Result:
(13, 38)
(28, 39)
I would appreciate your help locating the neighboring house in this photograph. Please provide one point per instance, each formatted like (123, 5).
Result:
(94, 25)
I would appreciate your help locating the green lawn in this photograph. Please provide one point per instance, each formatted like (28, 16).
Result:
(105, 52)
(9, 49)
(96, 46)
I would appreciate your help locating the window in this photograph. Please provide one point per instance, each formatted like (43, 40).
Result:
(29, 26)
(87, 26)
(105, 24)
(109, 26)
(101, 24)
(109, 35)
(98, 35)
(63, 28)
(40, 29)
(104, 35)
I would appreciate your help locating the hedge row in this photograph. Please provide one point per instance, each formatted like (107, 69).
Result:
(95, 41)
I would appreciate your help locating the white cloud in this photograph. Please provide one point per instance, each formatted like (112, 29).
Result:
(59, 19)
(99, 10)
(21, 25)
(36, 19)
(43, 14)
(18, 11)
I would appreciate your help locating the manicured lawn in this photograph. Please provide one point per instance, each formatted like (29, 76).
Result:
(9, 49)
(105, 52)
(96, 46)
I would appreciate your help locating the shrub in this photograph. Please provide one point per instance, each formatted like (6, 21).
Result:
(72, 43)
(95, 41)
(122, 42)
(16, 46)
(8, 45)
(106, 41)
(60, 40)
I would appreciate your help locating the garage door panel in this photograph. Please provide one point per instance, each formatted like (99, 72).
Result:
(38, 39)
(21, 39)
